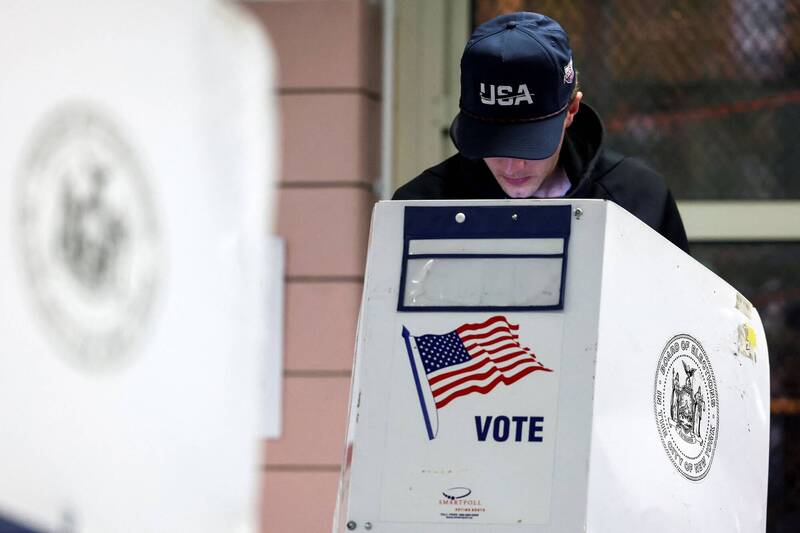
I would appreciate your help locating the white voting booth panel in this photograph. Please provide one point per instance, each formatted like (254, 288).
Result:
(550, 366)
(136, 147)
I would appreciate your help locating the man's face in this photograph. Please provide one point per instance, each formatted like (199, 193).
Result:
(521, 178)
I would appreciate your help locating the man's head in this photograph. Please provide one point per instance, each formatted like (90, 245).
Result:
(518, 95)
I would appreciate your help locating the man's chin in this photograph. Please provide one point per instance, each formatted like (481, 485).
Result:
(518, 193)
(523, 189)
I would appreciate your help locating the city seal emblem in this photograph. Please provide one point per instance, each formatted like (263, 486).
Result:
(89, 236)
(687, 406)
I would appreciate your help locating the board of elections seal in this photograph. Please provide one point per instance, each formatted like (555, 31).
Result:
(687, 406)
(89, 236)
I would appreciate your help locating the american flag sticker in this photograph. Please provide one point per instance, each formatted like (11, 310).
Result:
(473, 358)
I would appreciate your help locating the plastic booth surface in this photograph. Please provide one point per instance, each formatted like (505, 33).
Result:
(136, 149)
(550, 366)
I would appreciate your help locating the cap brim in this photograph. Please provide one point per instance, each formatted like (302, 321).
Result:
(477, 139)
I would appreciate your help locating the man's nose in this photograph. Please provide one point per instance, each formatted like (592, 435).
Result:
(511, 165)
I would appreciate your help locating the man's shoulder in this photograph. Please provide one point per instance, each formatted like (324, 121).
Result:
(629, 177)
(444, 181)
(426, 186)
(637, 187)
(431, 184)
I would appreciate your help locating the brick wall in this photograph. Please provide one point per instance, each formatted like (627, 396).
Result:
(328, 88)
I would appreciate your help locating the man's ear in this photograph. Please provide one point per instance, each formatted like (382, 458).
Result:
(574, 105)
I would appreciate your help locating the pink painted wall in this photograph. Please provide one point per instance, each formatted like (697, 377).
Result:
(329, 81)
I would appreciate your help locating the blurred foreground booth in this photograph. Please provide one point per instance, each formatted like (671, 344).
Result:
(550, 366)
(136, 150)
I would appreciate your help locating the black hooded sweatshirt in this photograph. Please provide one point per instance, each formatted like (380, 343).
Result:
(593, 173)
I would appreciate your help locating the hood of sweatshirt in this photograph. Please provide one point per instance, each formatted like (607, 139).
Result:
(581, 149)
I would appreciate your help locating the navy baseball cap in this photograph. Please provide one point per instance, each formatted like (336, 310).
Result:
(517, 80)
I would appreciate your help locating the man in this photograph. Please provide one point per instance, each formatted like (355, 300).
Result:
(524, 132)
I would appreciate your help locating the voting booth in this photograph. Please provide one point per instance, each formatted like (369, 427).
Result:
(137, 145)
(550, 366)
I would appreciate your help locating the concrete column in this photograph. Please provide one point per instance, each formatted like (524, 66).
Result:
(328, 55)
